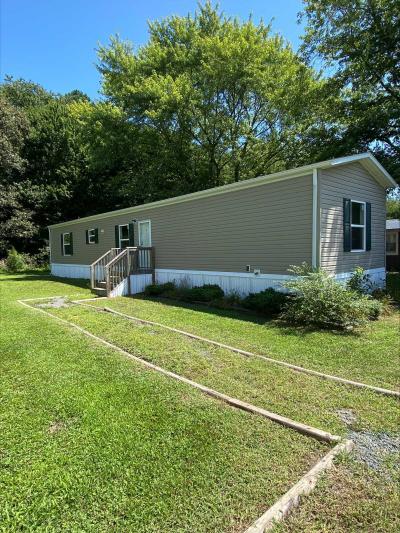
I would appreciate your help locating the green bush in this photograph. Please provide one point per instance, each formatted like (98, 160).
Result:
(320, 300)
(374, 307)
(158, 289)
(15, 261)
(269, 301)
(360, 281)
(205, 293)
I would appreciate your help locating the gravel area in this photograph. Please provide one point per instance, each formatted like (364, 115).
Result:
(373, 448)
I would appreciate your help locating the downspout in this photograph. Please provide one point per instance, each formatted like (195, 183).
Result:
(50, 247)
(315, 225)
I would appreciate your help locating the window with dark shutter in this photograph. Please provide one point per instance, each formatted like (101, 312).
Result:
(346, 224)
(67, 244)
(91, 236)
(356, 226)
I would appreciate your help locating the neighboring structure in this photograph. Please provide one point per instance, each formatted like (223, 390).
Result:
(243, 236)
(393, 245)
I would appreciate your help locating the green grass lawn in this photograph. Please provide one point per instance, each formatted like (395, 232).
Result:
(299, 396)
(371, 356)
(91, 441)
(94, 441)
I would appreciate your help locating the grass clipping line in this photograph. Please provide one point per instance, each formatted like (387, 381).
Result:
(304, 486)
(344, 381)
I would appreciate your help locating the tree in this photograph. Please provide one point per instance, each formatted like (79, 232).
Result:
(359, 40)
(24, 94)
(393, 208)
(14, 127)
(226, 100)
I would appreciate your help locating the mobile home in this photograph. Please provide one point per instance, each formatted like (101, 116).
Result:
(242, 236)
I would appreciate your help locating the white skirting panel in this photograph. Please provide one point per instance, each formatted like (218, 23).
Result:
(70, 271)
(241, 283)
(121, 289)
(230, 282)
(377, 276)
(139, 282)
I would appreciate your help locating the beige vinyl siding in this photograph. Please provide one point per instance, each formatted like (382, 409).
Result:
(354, 182)
(268, 227)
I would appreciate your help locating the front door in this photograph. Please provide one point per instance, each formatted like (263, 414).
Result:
(144, 228)
(144, 237)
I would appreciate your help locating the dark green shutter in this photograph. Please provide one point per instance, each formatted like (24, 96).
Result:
(87, 236)
(62, 244)
(117, 236)
(131, 234)
(346, 225)
(96, 235)
(71, 245)
(368, 226)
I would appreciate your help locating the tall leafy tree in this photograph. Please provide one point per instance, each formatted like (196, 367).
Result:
(227, 100)
(359, 42)
(14, 127)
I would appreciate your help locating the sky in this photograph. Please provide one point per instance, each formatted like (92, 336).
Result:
(53, 42)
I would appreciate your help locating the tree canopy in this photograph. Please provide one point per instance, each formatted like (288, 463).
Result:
(230, 98)
(360, 41)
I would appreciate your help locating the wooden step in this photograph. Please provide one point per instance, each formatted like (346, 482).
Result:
(100, 291)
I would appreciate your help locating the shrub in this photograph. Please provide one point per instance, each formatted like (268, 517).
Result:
(269, 301)
(360, 281)
(15, 261)
(157, 289)
(319, 300)
(205, 293)
(373, 307)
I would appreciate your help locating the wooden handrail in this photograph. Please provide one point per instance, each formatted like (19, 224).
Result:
(115, 259)
(102, 256)
(126, 261)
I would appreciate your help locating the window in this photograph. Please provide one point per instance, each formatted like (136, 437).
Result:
(357, 226)
(67, 243)
(124, 235)
(91, 236)
(392, 243)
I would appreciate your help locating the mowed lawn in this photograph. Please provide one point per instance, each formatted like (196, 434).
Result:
(91, 441)
(296, 395)
(353, 496)
(370, 356)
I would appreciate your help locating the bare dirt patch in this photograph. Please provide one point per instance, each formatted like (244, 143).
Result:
(56, 303)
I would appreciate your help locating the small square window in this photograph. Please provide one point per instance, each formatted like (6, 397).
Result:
(91, 236)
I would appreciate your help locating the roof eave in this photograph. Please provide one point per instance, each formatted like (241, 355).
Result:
(366, 159)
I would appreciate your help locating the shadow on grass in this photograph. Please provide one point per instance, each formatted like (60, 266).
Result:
(38, 276)
(284, 328)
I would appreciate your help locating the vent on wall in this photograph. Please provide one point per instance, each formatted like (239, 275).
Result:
(248, 268)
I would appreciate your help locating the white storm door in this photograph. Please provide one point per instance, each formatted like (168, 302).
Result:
(144, 238)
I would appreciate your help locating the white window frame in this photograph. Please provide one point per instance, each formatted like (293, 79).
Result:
(94, 236)
(363, 226)
(396, 234)
(119, 234)
(140, 223)
(64, 244)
